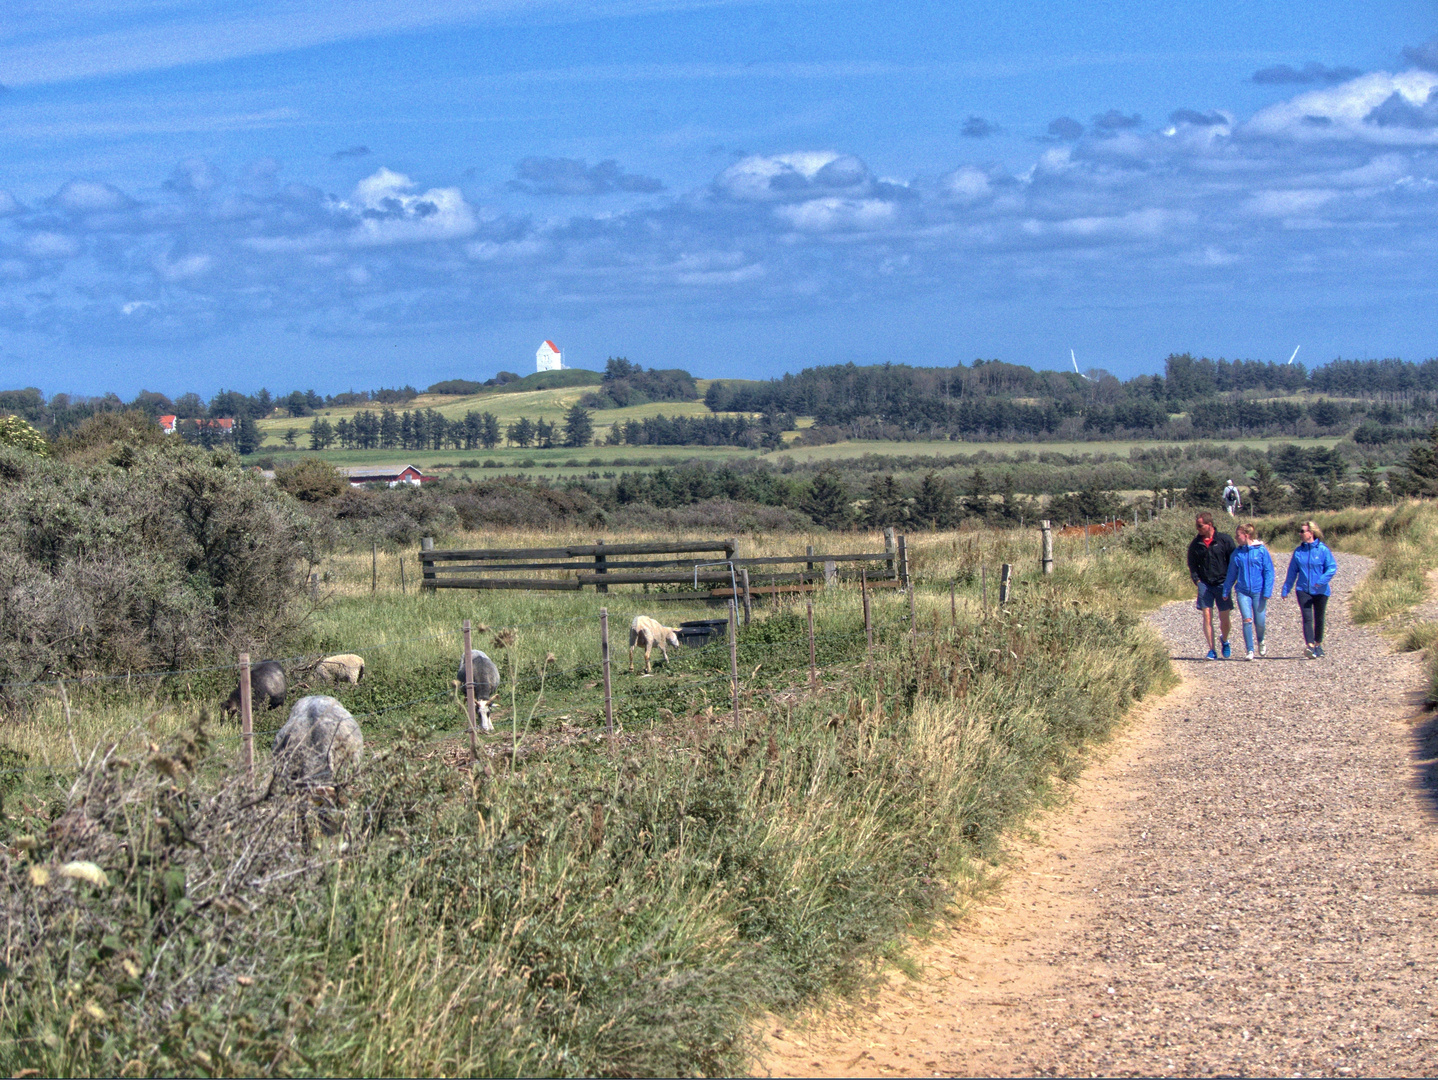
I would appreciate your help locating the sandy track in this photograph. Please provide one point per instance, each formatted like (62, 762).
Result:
(1246, 883)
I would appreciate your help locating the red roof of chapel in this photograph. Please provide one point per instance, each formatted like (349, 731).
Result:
(552, 345)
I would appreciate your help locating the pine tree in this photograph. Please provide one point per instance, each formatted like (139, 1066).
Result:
(1373, 492)
(1266, 495)
(827, 502)
(1202, 490)
(247, 435)
(935, 502)
(489, 431)
(578, 426)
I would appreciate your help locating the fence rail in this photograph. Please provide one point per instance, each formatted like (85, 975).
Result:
(601, 565)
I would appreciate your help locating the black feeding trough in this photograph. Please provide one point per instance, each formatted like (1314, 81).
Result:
(699, 632)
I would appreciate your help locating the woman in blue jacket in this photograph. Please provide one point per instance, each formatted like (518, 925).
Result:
(1250, 584)
(1310, 569)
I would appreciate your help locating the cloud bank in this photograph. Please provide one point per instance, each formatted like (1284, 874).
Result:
(1340, 179)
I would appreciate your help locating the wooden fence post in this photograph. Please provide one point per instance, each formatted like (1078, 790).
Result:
(813, 666)
(1005, 582)
(403, 588)
(831, 573)
(889, 550)
(913, 621)
(469, 709)
(1048, 545)
(604, 660)
(807, 578)
(426, 568)
(247, 728)
(373, 565)
(748, 599)
(904, 560)
(868, 623)
(599, 568)
(734, 656)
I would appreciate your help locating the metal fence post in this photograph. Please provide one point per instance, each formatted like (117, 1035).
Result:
(373, 565)
(247, 728)
(734, 656)
(469, 709)
(1048, 545)
(604, 661)
(403, 588)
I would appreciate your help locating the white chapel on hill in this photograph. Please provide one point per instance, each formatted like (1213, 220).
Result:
(548, 357)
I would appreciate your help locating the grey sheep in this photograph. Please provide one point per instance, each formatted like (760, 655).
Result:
(486, 684)
(267, 687)
(319, 737)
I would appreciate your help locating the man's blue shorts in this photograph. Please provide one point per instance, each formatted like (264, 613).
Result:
(1209, 595)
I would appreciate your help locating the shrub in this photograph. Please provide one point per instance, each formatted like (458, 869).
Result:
(311, 480)
(17, 433)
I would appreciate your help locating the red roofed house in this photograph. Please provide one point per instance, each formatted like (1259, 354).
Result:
(548, 357)
(167, 424)
(361, 475)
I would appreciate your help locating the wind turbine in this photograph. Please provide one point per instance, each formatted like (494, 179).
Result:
(1295, 353)
(1077, 372)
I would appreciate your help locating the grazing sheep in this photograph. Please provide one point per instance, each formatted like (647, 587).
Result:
(341, 666)
(267, 686)
(649, 633)
(486, 684)
(319, 736)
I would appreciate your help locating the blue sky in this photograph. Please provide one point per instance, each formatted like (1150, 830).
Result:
(332, 195)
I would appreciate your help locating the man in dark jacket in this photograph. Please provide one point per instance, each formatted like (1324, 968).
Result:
(1208, 557)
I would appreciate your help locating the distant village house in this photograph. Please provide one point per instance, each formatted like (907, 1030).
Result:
(548, 357)
(360, 475)
(223, 424)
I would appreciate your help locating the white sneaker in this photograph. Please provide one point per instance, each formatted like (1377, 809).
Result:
(1263, 648)
(1250, 655)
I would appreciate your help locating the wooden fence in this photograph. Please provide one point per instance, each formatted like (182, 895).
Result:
(712, 566)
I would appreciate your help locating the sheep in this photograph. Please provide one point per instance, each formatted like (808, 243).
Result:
(486, 684)
(341, 666)
(649, 633)
(319, 735)
(267, 685)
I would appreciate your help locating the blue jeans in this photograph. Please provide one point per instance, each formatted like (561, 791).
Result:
(1254, 610)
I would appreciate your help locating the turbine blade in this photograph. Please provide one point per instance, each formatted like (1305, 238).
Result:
(1295, 353)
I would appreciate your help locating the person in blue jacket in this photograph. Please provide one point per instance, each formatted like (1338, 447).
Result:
(1310, 569)
(1250, 583)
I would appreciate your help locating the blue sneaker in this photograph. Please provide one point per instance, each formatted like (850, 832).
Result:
(1212, 655)
(1227, 652)
(1318, 652)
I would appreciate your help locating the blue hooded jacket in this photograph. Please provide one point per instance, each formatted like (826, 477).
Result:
(1250, 570)
(1312, 567)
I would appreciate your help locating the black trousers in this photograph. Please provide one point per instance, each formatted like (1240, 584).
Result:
(1314, 608)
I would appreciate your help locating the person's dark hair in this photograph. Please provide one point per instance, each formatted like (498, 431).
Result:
(1205, 518)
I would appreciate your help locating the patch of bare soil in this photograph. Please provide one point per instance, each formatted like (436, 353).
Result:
(1245, 883)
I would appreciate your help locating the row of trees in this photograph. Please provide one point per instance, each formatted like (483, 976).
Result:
(428, 429)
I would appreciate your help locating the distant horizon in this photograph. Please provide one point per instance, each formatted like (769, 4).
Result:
(283, 389)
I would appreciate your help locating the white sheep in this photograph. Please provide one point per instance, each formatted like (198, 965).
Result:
(341, 666)
(319, 736)
(486, 685)
(649, 633)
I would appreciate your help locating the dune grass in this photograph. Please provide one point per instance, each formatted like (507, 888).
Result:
(581, 906)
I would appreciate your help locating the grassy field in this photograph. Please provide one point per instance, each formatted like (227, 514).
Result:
(508, 407)
(943, 448)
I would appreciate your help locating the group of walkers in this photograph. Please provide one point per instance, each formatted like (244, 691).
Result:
(1226, 573)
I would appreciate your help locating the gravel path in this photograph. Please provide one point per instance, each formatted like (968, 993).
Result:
(1247, 885)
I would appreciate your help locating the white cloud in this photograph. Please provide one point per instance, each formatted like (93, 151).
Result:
(51, 245)
(1288, 203)
(797, 175)
(184, 267)
(88, 197)
(390, 214)
(1345, 111)
(825, 215)
(966, 184)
